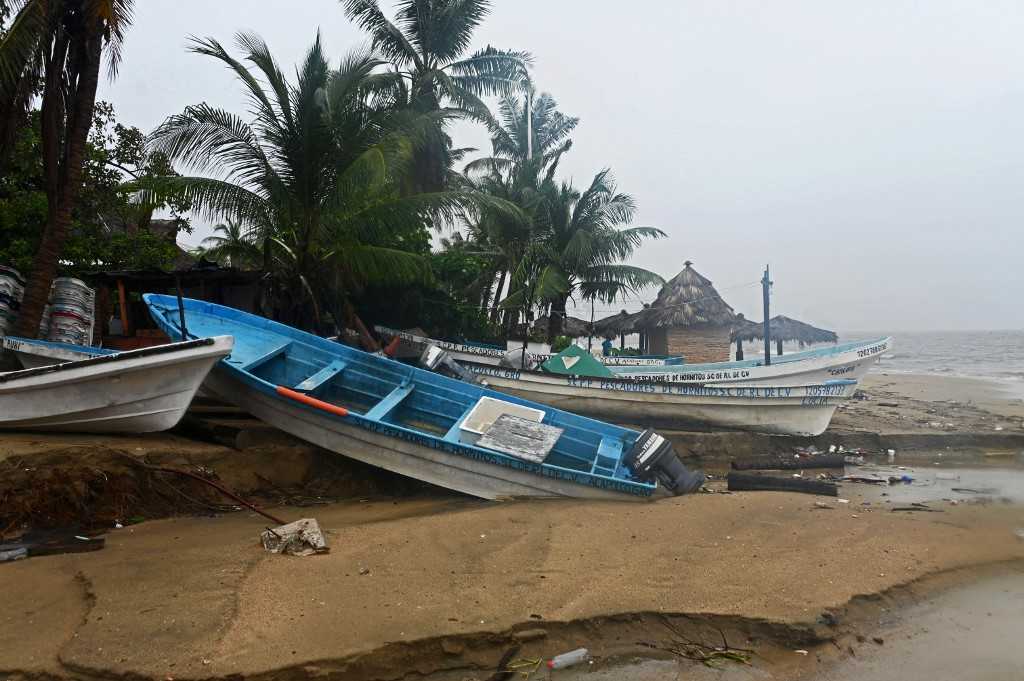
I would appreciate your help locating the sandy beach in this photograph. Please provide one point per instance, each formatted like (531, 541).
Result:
(439, 584)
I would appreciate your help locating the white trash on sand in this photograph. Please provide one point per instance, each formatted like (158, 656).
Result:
(300, 538)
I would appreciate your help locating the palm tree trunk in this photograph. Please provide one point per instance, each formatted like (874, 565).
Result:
(497, 296)
(63, 175)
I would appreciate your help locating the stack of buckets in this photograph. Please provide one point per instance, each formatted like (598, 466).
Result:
(67, 319)
(70, 314)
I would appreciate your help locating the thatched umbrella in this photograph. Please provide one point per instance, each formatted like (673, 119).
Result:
(571, 326)
(688, 299)
(781, 329)
(621, 325)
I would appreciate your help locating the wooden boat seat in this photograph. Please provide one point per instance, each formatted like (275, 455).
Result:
(609, 453)
(264, 358)
(320, 378)
(390, 402)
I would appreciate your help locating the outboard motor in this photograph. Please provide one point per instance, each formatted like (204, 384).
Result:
(436, 359)
(653, 458)
(513, 359)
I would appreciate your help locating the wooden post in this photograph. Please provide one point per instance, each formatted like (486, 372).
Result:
(765, 286)
(590, 336)
(739, 349)
(778, 346)
(622, 341)
(122, 299)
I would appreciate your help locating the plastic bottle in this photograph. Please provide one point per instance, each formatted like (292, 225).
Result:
(568, 659)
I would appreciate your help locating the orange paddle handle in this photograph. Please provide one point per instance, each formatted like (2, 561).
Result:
(312, 401)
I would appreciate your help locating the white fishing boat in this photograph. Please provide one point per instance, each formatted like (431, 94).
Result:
(481, 353)
(847, 360)
(802, 409)
(136, 391)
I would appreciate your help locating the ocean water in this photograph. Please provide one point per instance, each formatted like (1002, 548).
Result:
(995, 355)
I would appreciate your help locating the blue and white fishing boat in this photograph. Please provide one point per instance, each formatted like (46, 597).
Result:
(32, 352)
(415, 422)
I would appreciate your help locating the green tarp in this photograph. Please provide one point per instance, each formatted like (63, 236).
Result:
(575, 361)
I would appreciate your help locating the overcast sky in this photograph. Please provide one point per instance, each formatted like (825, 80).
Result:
(871, 152)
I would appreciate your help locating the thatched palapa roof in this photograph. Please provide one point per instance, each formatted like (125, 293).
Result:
(621, 324)
(571, 326)
(688, 299)
(785, 329)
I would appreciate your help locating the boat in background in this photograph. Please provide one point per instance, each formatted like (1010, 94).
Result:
(802, 409)
(846, 361)
(420, 424)
(137, 391)
(850, 360)
(481, 353)
(32, 353)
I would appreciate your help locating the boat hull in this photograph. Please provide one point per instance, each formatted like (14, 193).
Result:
(122, 393)
(786, 410)
(402, 456)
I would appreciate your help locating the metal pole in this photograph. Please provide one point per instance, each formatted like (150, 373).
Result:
(765, 288)
(181, 308)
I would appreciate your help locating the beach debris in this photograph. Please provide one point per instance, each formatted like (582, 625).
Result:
(969, 490)
(740, 482)
(364, 570)
(879, 640)
(822, 504)
(573, 657)
(300, 538)
(866, 479)
(829, 618)
(947, 476)
(12, 554)
(48, 543)
(1020, 533)
(530, 634)
(800, 651)
(843, 501)
(453, 646)
(888, 404)
(916, 506)
(891, 453)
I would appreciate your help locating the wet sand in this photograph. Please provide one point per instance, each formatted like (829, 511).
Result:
(428, 584)
(971, 632)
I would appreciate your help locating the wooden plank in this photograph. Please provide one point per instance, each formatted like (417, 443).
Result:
(317, 380)
(266, 357)
(122, 299)
(390, 401)
(521, 438)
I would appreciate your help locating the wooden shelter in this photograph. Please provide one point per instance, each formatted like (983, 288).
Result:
(688, 318)
(571, 326)
(781, 329)
(122, 321)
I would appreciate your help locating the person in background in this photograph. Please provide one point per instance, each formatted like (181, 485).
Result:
(606, 347)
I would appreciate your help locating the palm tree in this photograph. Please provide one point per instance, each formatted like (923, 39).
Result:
(232, 244)
(515, 171)
(316, 177)
(426, 46)
(56, 46)
(584, 243)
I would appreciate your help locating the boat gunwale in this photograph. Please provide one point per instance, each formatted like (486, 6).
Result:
(87, 362)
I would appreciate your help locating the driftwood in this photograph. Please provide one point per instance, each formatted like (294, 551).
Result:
(784, 463)
(740, 482)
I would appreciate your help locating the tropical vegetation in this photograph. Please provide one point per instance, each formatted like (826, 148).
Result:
(341, 184)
